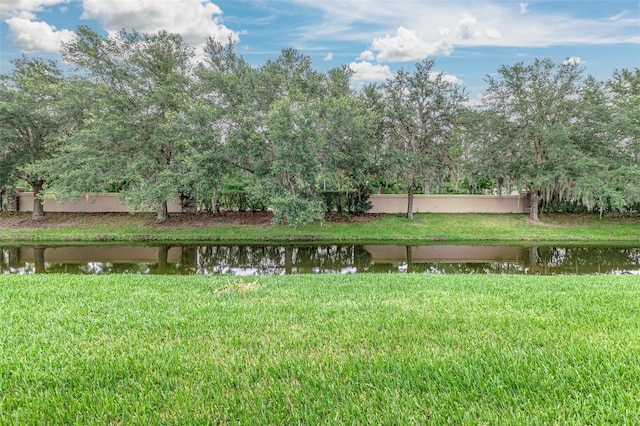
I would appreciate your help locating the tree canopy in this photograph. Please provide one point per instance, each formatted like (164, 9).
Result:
(540, 129)
(143, 115)
(30, 120)
(423, 111)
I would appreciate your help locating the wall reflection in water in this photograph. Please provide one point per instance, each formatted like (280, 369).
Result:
(319, 259)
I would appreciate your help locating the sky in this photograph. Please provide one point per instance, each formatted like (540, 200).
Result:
(468, 40)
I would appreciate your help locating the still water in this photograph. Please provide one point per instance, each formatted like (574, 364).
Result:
(319, 259)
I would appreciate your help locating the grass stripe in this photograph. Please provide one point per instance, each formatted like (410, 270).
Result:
(362, 349)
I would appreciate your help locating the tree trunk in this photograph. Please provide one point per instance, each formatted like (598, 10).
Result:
(38, 260)
(533, 260)
(38, 208)
(533, 212)
(288, 260)
(14, 256)
(163, 212)
(410, 202)
(12, 200)
(163, 255)
(189, 258)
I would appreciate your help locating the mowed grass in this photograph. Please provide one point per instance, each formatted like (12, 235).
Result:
(378, 228)
(361, 349)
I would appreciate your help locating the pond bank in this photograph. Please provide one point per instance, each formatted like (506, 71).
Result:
(252, 227)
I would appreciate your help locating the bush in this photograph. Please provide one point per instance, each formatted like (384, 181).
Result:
(238, 200)
(295, 210)
(556, 205)
(352, 201)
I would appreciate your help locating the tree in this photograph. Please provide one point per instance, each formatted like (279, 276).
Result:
(137, 135)
(624, 91)
(624, 100)
(291, 167)
(237, 107)
(422, 114)
(349, 140)
(291, 182)
(29, 123)
(267, 123)
(529, 135)
(599, 185)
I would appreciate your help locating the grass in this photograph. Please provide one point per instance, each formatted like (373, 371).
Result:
(384, 228)
(361, 349)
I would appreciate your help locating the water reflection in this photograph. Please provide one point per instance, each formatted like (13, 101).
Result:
(321, 259)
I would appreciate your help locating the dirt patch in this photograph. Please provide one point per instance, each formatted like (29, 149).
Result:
(346, 218)
(49, 221)
(538, 223)
(203, 219)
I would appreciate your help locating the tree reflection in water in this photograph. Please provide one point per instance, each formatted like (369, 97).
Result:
(320, 259)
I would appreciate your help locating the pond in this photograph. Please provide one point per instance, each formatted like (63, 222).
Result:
(320, 259)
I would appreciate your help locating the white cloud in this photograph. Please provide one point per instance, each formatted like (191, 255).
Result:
(25, 8)
(466, 28)
(193, 19)
(366, 71)
(367, 55)
(328, 57)
(572, 60)
(493, 33)
(407, 45)
(440, 26)
(449, 78)
(34, 36)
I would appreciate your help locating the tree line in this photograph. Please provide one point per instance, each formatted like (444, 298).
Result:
(143, 115)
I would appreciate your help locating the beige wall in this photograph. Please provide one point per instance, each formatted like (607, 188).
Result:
(446, 253)
(432, 203)
(89, 203)
(111, 254)
(422, 203)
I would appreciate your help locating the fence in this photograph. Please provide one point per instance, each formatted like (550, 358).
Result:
(384, 203)
(440, 203)
(88, 203)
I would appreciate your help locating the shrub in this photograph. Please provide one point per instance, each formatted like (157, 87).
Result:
(296, 210)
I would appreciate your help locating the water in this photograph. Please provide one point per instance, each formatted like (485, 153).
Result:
(319, 259)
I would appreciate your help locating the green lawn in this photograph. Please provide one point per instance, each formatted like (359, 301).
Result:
(389, 228)
(365, 349)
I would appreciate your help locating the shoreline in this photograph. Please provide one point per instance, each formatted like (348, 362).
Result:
(236, 227)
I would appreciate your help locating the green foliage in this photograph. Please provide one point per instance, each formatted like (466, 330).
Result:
(349, 140)
(295, 210)
(238, 200)
(624, 102)
(140, 117)
(31, 119)
(139, 129)
(351, 201)
(543, 127)
(421, 118)
(28, 118)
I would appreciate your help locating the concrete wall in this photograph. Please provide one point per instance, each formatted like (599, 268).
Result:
(435, 203)
(89, 203)
(386, 203)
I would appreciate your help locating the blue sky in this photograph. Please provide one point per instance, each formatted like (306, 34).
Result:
(467, 39)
